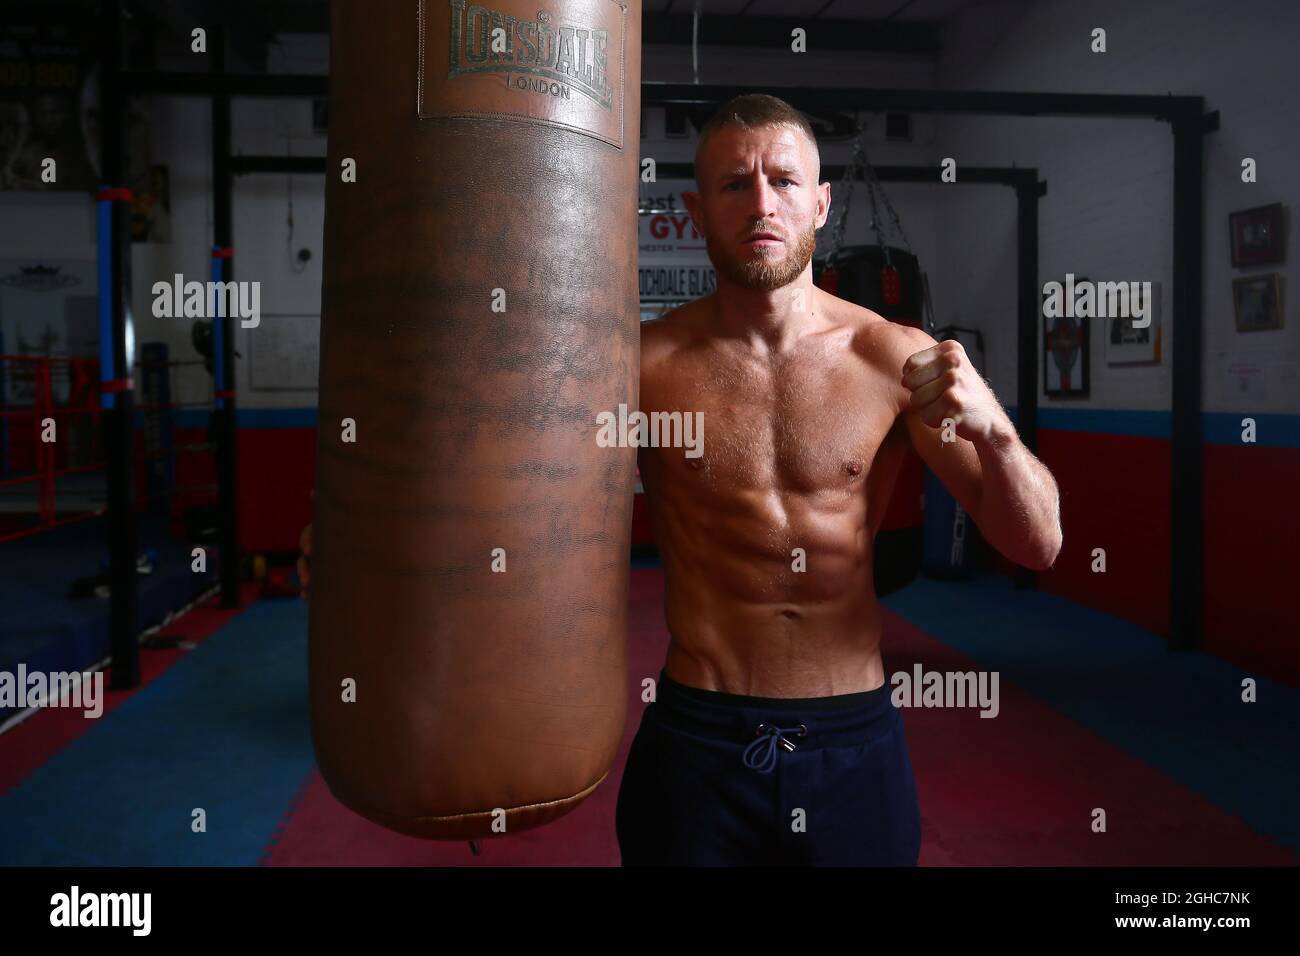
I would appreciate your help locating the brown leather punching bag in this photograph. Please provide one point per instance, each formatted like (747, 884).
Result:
(470, 565)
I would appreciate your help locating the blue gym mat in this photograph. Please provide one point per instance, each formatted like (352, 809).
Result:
(44, 628)
(225, 729)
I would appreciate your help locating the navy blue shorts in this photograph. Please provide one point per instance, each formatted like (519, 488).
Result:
(718, 779)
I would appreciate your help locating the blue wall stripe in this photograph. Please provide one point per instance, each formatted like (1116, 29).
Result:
(277, 417)
(1271, 431)
(1219, 428)
(246, 417)
(1142, 424)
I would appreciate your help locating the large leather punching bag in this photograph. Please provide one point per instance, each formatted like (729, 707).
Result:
(469, 574)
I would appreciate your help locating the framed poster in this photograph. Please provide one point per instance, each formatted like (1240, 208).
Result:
(1126, 344)
(1257, 302)
(49, 111)
(1065, 352)
(1258, 236)
(151, 207)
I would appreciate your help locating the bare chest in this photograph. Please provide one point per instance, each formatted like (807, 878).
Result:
(812, 423)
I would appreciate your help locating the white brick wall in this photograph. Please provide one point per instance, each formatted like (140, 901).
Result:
(1109, 208)
(1108, 212)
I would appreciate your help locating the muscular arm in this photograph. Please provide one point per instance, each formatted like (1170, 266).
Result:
(1019, 505)
(1010, 494)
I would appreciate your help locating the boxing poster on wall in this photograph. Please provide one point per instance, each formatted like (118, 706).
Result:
(151, 207)
(1066, 345)
(1257, 302)
(675, 281)
(1134, 341)
(673, 264)
(669, 233)
(49, 117)
(1257, 236)
(48, 111)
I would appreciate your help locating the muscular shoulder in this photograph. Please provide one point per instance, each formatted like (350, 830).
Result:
(662, 337)
(883, 345)
(894, 344)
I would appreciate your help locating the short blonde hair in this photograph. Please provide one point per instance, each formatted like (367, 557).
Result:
(752, 110)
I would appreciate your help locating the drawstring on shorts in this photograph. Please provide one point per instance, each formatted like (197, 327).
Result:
(762, 751)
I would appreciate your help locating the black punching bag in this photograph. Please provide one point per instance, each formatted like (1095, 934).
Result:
(896, 292)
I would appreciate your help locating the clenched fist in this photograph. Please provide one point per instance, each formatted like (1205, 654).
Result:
(945, 384)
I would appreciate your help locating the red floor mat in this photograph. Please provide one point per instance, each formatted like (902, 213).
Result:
(1016, 790)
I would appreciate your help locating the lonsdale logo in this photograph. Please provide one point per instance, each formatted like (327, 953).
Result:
(535, 55)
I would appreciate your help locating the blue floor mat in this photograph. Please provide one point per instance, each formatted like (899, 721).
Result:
(45, 629)
(226, 729)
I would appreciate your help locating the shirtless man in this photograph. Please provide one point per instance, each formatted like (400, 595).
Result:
(773, 739)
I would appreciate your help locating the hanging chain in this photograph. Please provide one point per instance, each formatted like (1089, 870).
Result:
(875, 214)
(860, 166)
(847, 183)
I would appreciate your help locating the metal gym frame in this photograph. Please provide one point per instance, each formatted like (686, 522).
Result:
(1186, 115)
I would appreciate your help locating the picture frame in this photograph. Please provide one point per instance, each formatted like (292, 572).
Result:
(1126, 345)
(1257, 236)
(1066, 353)
(1257, 302)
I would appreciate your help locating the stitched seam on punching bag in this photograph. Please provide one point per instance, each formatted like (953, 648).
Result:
(419, 77)
(622, 77)
(527, 806)
(487, 813)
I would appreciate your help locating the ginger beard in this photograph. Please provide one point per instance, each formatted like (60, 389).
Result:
(763, 268)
